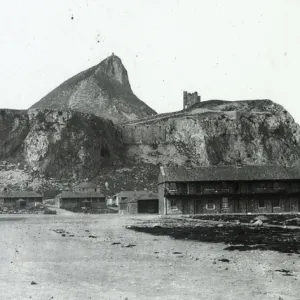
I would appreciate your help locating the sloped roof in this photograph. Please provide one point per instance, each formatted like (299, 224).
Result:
(126, 194)
(20, 194)
(151, 196)
(86, 185)
(229, 173)
(141, 195)
(70, 194)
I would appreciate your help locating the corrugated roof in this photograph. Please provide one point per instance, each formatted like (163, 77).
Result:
(20, 194)
(86, 185)
(70, 194)
(229, 173)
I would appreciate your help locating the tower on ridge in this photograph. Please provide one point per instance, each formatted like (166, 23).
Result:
(189, 99)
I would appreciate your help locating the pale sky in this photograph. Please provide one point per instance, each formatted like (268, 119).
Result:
(231, 50)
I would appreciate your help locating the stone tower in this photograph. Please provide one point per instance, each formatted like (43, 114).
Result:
(189, 99)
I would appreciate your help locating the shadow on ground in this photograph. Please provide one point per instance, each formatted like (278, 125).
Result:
(236, 237)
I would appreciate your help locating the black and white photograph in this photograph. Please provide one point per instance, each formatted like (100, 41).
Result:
(150, 150)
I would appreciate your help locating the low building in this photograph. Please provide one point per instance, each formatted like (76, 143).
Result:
(19, 198)
(72, 200)
(229, 189)
(86, 194)
(87, 187)
(122, 196)
(141, 202)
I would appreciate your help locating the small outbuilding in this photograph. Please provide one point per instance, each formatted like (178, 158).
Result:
(141, 203)
(121, 197)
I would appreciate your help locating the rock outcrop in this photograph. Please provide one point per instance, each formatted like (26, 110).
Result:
(14, 127)
(60, 144)
(218, 133)
(103, 90)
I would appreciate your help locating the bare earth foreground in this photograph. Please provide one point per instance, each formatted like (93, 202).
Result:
(75, 256)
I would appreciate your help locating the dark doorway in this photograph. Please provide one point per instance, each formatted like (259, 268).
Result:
(275, 203)
(185, 207)
(148, 206)
(236, 205)
(21, 203)
(250, 205)
(86, 203)
(198, 207)
(287, 204)
(104, 151)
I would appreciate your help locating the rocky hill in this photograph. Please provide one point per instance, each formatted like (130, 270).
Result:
(52, 150)
(103, 90)
(56, 146)
(217, 133)
(93, 126)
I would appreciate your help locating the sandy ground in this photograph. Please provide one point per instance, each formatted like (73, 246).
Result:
(83, 267)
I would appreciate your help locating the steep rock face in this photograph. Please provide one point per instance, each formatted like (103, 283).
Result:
(70, 144)
(103, 90)
(14, 127)
(222, 133)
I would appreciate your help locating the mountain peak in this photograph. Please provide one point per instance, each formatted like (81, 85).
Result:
(113, 67)
(103, 90)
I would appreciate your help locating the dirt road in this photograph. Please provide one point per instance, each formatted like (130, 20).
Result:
(96, 257)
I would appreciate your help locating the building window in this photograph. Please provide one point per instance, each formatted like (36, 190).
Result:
(224, 185)
(182, 188)
(198, 188)
(210, 187)
(276, 202)
(278, 186)
(173, 203)
(262, 185)
(210, 205)
(261, 203)
(172, 188)
(192, 188)
(225, 203)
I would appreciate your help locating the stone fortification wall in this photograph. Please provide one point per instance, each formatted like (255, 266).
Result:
(143, 134)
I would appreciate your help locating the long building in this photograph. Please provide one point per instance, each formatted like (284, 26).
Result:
(229, 189)
(86, 194)
(19, 198)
